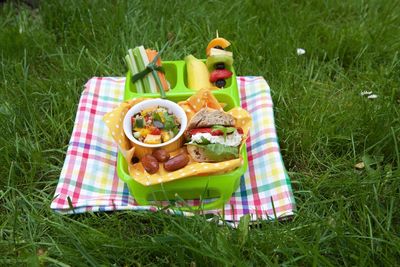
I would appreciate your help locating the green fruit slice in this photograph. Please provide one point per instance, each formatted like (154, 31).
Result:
(212, 60)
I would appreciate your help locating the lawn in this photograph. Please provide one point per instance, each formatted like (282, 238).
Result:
(345, 215)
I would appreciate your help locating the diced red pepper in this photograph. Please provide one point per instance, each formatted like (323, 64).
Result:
(220, 74)
(133, 120)
(239, 130)
(155, 131)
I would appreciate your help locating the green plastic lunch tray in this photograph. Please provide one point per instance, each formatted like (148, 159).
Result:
(215, 190)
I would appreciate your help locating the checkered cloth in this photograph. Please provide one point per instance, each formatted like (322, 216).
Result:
(89, 181)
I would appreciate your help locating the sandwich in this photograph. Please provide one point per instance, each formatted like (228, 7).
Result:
(213, 137)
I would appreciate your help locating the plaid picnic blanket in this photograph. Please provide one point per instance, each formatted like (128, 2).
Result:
(89, 180)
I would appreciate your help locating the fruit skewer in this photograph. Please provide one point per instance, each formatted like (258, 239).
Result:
(218, 59)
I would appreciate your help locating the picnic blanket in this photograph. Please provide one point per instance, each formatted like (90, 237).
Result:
(89, 180)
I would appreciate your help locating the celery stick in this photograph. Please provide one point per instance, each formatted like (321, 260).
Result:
(130, 61)
(139, 84)
(150, 78)
(141, 66)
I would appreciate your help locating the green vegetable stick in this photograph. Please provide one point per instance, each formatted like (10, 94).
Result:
(162, 92)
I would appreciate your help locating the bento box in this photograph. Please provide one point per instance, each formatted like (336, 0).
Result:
(213, 191)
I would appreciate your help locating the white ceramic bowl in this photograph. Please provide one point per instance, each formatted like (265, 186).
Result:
(171, 106)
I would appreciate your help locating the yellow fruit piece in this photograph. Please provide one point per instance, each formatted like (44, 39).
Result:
(147, 110)
(222, 42)
(165, 136)
(152, 139)
(142, 131)
(161, 114)
(198, 76)
(217, 52)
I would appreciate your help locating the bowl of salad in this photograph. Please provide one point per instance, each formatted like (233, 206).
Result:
(155, 123)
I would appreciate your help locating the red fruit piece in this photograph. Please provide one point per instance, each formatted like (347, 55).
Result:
(220, 75)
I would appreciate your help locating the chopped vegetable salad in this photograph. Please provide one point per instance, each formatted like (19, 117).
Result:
(155, 125)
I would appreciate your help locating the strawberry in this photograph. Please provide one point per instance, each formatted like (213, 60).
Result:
(220, 74)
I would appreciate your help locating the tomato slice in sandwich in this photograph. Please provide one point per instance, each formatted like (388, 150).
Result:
(205, 130)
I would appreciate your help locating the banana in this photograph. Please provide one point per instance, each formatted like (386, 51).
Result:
(198, 76)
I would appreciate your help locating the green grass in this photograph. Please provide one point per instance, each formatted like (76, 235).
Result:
(345, 216)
